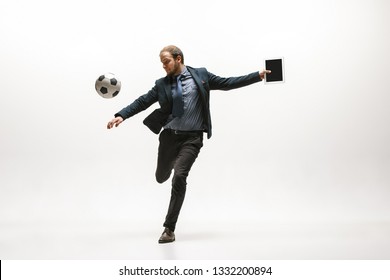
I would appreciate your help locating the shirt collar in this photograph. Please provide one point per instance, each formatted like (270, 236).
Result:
(184, 72)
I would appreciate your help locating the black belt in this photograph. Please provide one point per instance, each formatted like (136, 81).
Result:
(186, 132)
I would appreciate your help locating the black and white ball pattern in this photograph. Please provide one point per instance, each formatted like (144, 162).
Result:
(108, 85)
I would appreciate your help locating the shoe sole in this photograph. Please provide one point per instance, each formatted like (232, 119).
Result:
(165, 241)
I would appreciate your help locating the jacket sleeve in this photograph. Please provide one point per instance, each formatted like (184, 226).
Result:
(216, 82)
(140, 104)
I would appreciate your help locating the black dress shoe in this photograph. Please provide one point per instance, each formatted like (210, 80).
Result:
(167, 236)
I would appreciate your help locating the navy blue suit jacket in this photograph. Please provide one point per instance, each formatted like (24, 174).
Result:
(161, 93)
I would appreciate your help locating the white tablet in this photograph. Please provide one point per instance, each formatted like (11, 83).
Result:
(276, 65)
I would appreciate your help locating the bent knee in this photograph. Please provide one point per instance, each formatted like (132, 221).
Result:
(161, 179)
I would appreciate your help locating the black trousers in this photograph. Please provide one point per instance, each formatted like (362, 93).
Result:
(177, 151)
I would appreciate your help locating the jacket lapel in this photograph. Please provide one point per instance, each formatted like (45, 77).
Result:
(167, 88)
(198, 81)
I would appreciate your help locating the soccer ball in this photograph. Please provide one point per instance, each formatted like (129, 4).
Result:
(107, 85)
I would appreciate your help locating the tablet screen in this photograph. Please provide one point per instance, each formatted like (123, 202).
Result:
(276, 67)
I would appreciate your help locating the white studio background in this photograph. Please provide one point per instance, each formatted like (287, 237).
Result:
(314, 149)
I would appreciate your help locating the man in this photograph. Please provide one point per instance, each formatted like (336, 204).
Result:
(184, 115)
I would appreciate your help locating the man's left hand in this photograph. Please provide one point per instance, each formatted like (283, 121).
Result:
(262, 73)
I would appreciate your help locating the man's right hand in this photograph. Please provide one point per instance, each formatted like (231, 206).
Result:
(116, 121)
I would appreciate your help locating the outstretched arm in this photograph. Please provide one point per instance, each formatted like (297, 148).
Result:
(141, 103)
(221, 83)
